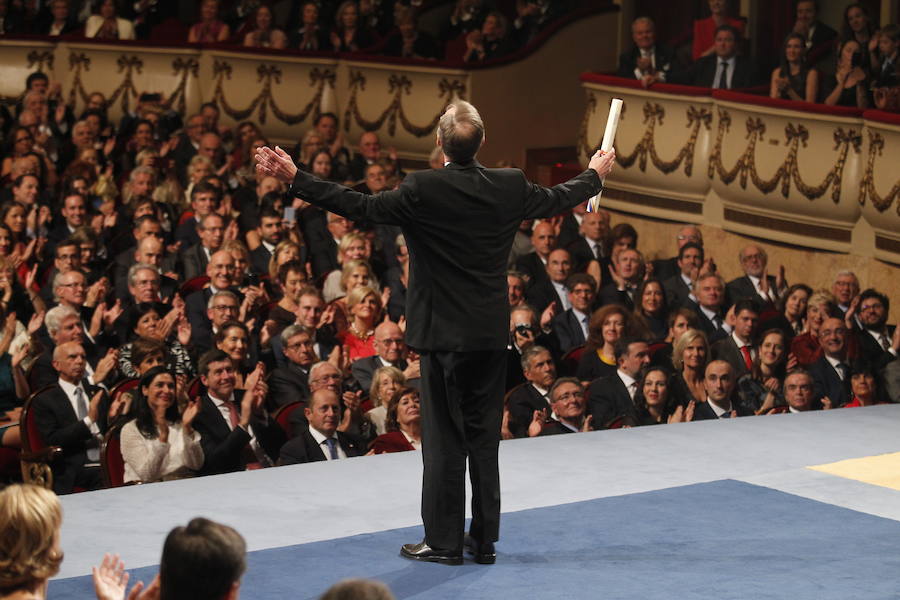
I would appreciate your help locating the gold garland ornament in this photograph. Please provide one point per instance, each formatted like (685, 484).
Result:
(398, 85)
(867, 185)
(789, 171)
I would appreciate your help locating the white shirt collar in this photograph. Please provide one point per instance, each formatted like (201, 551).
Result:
(320, 440)
(627, 379)
(716, 408)
(739, 343)
(712, 316)
(268, 246)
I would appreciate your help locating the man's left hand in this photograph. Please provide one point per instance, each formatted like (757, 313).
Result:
(276, 163)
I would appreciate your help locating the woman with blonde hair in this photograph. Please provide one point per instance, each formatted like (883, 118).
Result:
(285, 251)
(385, 382)
(820, 305)
(689, 358)
(364, 311)
(353, 246)
(30, 518)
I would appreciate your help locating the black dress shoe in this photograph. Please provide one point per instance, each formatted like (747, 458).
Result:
(483, 554)
(424, 552)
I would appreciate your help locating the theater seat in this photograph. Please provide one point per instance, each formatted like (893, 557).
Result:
(36, 455)
(283, 415)
(193, 285)
(112, 465)
(568, 364)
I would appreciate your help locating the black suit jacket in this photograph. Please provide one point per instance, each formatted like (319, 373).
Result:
(871, 351)
(522, 403)
(569, 230)
(223, 446)
(703, 73)
(288, 384)
(60, 426)
(534, 267)
(540, 295)
(742, 288)
(677, 291)
(186, 233)
(567, 331)
(459, 224)
(663, 55)
(609, 400)
(364, 369)
(713, 334)
(580, 250)
(826, 382)
(303, 448)
(610, 294)
(726, 349)
(259, 260)
(194, 261)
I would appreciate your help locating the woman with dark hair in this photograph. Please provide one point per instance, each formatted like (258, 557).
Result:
(233, 338)
(403, 424)
(689, 357)
(159, 444)
(348, 34)
(793, 80)
(105, 24)
(857, 25)
(864, 386)
(155, 321)
(321, 164)
(792, 306)
(654, 402)
(622, 236)
(19, 144)
(292, 281)
(606, 326)
(308, 34)
(14, 216)
(761, 388)
(210, 29)
(263, 34)
(650, 311)
(490, 41)
(849, 86)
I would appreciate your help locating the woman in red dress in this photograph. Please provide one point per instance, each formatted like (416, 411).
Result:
(364, 308)
(705, 29)
(403, 424)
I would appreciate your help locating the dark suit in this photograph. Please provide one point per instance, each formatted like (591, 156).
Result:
(742, 288)
(259, 260)
(288, 384)
(522, 403)
(224, 449)
(713, 333)
(553, 427)
(540, 295)
(186, 233)
(871, 351)
(826, 382)
(59, 426)
(611, 294)
(608, 400)
(664, 60)
(704, 412)
(726, 349)
(569, 230)
(364, 369)
(567, 330)
(532, 266)
(677, 291)
(664, 268)
(303, 448)
(703, 73)
(581, 253)
(194, 261)
(459, 223)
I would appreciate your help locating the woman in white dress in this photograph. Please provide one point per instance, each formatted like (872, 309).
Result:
(159, 444)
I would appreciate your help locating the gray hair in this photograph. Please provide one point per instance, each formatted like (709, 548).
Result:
(142, 170)
(561, 381)
(296, 329)
(222, 294)
(461, 131)
(133, 271)
(318, 367)
(646, 20)
(529, 353)
(846, 273)
(56, 281)
(54, 317)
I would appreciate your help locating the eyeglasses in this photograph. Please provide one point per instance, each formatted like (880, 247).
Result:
(299, 345)
(569, 396)
(72, 285)
(224, 307)
(391, 341)
(866, 307)
(331, 377)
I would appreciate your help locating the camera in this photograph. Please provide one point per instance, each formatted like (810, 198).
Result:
(524, 329)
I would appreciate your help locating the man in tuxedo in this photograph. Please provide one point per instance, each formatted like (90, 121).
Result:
(390, 351)
(291, 382)
(552, 288)
(664, 268)
(320, 440)
(459, 224)
(271, 231)
(878, 342)
(570, 327)
(628, 269)
(235, 429)
(589, 244)
(612, 397)
(737, 349)
(709, 290)
(831, 373)
(534, 264)
(646, 61)
(679, 287)
(211, 232)
(845, 288)
(533, 395)
(719, 382)
(723, 69)
(72, 415)
(754, 261)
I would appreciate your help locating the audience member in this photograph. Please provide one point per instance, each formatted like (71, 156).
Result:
(719, 382)
(737, 349)
(878, 343)
(793, 79)
(534, 394)
(864, 389)
(850, 84)
(709, 292)
(550, 290)
(679, 287)
(607, 325)
(792, 305)
(349, 35)
(722, 67)
(760, 387)
(30, 551)
(611, 401)
(655, 404)
(489, 42)
(321, 440)
(831, 372)
(403, 424)
(534, 264)
(706, 30)
(384, 382)
(646, 61)
(309, 34)
(627, 272)
(105, 24)
(203, 560)
(690, 356)
(263, 34)
(358, 589)
(569, 405)
(845, 289)
(650, 310)
(210, 29)
(805, 346)
(798, 391)
(571, 327)
(818, 38)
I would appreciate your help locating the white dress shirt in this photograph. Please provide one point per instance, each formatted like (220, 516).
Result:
(320, 439)
(731, 62)
(629, 381)
(225, 411)
(81, 412)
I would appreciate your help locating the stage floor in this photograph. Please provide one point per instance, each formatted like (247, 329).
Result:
(708, 509)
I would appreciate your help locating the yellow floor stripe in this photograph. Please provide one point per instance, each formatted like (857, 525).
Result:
(883, 470)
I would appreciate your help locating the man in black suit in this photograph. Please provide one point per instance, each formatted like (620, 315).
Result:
(320, 440)
(679, 287)
(390, 351)
(188, 145)
(589, 244)
(534, 264)
(756, 284)
(368, 152)
(723, 69)
(533, 395)
(144, 227)
(236, 431)
(74, 215)
(291, 382)
(878, 342)
(72, 415)
(737, 349)
(205, 199)
(719, 382)
(569, 408)
(646, 61)
(570, 327)
(612, 397)
(831, 373)
(459, 224)
(204, 317)
(211, 232)
(798, 391)
(709, 291)
(150, 254)
(845, 288)
(820, 38)
(665, 268)
(323, 247)
(552, 288)
(627, 272)
(271, 231)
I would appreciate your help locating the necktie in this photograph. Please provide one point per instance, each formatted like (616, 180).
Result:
(332, 447)
(92, 451)
(232, 414)
(722, 80)
(748, 360)
(632, 389)
(885, 342)
(841, 371)
(584, 327)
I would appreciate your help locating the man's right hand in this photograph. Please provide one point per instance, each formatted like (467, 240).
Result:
(276, 163)
(602, 162)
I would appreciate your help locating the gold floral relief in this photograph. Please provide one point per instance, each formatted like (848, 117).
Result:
(867, 185)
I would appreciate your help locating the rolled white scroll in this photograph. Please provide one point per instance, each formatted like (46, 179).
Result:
(609, 136)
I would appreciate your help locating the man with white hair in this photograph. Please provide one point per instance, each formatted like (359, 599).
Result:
(459, 223)
(646, 61)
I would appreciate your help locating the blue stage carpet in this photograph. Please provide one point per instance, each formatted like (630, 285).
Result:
(724, 539)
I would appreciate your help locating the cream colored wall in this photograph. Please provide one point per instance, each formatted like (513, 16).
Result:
(814, 268)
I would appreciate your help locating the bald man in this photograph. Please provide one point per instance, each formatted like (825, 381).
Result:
(534, 264)
(390, 348)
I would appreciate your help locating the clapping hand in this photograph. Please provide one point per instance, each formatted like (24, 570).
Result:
(537, 422)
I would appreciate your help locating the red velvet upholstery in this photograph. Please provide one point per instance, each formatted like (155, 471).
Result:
(568, 364)
(283, 415)
(32, 440)
(193, 285)
(111, 461)
(123, 386)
